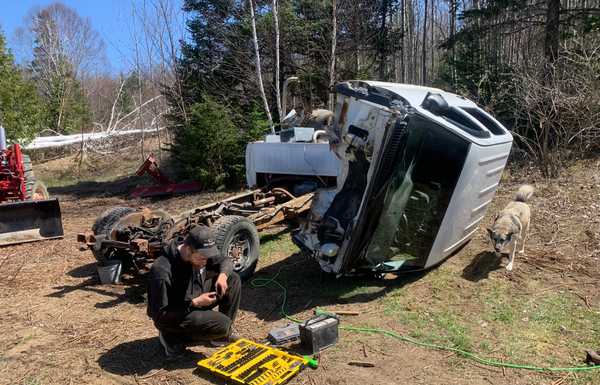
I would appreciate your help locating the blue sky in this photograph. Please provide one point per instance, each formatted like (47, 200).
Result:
(111, 18)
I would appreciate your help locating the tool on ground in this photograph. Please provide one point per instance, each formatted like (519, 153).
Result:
(319, 332)
(311, 362)
(283, 335)
(164, 184)
(246, 362)
(26, 212)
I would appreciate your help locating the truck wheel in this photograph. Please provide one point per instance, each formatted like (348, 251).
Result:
(237, 238)
(104, 225)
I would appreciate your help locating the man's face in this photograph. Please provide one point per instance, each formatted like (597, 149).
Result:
(195, 258)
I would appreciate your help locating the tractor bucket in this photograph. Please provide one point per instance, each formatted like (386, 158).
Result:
(30, 221)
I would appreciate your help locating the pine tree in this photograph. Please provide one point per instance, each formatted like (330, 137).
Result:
(20, 107)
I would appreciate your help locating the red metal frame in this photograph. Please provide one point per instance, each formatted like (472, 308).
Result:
(164, 185)
(12, 175)
(150, 167)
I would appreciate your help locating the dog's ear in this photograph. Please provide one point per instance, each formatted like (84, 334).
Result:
(490, 232)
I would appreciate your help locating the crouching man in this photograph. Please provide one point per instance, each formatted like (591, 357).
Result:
(185, 283)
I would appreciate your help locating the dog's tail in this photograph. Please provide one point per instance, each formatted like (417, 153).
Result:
(524, 193)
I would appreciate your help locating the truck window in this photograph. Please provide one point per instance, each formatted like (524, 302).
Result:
(424, 178)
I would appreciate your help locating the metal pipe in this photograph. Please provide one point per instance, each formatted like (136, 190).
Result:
(2, 138)
(284, 94)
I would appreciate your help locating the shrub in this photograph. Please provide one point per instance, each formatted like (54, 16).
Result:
(557, 112)
(208, 146)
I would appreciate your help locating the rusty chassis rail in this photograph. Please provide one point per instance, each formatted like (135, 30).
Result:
(140, 235)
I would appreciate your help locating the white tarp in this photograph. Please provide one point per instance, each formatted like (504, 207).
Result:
(66, 140)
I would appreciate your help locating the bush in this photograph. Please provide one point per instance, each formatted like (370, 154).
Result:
(208, 146)
(557, 112)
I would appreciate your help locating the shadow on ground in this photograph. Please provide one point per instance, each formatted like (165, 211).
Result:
(139, 357)
(307, 287)
(134, 288)
(86, 189)
(481, 266)
(83, 271)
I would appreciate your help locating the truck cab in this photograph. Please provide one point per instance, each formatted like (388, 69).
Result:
(418, 168)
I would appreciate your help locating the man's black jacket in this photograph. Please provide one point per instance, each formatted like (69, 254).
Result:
(173, 283)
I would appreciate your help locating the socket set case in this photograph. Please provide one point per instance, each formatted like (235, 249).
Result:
(247, 362)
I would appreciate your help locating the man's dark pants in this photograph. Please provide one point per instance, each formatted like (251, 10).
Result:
(203, 324)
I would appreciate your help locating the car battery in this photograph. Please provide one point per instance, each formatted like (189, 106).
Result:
(319, 333)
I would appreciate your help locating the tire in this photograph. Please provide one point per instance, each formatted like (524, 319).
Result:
(232, 229)
(34, 189)
(105, 224)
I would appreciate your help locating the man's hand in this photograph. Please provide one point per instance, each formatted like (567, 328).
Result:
(221, 285)
(205, 299)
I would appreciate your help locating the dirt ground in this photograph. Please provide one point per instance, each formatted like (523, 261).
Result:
(60, 326)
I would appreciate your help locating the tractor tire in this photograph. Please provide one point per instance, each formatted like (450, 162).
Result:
(34, 189)
(105, 224)
(237, 238)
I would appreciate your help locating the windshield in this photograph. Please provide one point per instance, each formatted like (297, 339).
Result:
(428, 165)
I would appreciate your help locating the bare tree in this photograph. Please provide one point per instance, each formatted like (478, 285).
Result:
(277, 81)
(333, 47)
(61, 33)
(552, 33)
(158, 29)
(453, 8)
(258, 67)
(66, 50)
(424, 46)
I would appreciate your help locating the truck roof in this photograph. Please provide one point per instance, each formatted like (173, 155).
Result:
(415, 95)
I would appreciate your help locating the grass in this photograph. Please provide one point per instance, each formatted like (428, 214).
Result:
(492, 318)
(274, 245)
(32, 381)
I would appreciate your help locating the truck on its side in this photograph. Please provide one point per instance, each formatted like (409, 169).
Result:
(415, 170)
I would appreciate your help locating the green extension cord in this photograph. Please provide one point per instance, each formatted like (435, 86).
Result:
(264, 282)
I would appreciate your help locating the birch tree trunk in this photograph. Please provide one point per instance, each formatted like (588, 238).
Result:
(258, 67)
(277, 82)
(403, 40)
(333, 46)
(424, 46)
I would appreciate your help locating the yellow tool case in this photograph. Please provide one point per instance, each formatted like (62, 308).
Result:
(247, 362)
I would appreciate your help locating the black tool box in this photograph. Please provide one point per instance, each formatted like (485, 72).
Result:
(319, 332)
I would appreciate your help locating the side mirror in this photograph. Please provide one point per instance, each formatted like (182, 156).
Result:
(435, 103)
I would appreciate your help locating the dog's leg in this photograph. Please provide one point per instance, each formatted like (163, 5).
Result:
(511, 260)
(525, 234)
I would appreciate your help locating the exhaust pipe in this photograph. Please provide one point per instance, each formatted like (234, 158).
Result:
(284, 94)
(2, 138)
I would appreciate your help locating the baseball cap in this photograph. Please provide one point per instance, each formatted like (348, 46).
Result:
(202, 239)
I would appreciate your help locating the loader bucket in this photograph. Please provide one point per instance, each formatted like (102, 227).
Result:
(30, 221)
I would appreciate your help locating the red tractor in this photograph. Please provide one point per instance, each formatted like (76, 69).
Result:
(26, 212)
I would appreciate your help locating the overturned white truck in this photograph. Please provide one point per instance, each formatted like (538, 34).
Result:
(417, 169)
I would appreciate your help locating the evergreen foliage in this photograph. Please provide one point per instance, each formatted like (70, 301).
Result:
(209, 146)
(20, 107)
